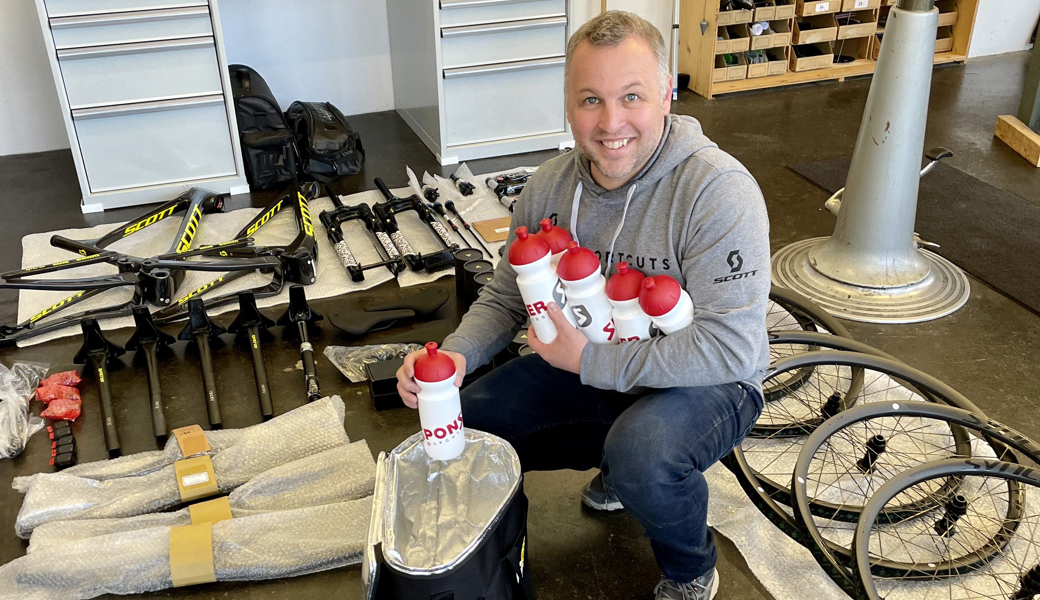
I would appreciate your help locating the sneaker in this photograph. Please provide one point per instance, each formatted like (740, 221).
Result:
(703, 588)
(596, 496)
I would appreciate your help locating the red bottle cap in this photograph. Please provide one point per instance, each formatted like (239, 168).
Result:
(527, 248)
(556, 237)
(659, 295)
(435, 366)
(577, 263)
(625, 284)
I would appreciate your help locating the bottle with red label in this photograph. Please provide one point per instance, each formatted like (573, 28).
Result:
(529, 256)
(579, 271)
(666, 302)
(556, 237)
(631, 323)
(440, 408)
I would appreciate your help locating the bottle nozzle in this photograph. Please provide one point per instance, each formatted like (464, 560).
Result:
(521, 233)
(622, 267)
(431, 348)
(546, 224)
(649, 283)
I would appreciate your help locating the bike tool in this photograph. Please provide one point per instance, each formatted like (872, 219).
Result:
(147, 340)
(465, 188)
(392, 206)
(202, 329)
(450, 205)
(509, 185)
(333, 221)
(301, 314)
(247, 326)
(97, 352)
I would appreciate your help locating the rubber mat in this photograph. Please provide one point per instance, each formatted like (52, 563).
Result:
(984, 230)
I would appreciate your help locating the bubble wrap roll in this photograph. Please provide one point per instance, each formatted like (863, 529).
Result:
(143, 463)
(337, 475)
(265, 546)
(294, 435)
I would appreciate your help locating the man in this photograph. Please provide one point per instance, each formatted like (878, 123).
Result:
(648, 188)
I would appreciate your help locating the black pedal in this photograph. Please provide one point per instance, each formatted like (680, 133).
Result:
(63, 460)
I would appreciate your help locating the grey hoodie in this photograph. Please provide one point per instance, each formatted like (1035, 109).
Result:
(693, 213)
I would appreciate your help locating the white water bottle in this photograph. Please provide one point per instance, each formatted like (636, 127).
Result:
(556, 237)
(578, 269)
(440, 409)
(667, 303)
(631, 322)
(529, 256)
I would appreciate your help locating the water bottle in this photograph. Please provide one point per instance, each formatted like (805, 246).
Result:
(631, 322)
(529, 256)
(440, 409)
(579, 271)
(667, 303)
(556, 237)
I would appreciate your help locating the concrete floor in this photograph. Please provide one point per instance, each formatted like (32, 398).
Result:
(988, 350)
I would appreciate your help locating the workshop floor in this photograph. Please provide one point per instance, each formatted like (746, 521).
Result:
(988, 350)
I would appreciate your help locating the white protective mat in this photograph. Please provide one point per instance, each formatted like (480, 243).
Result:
(332, 278)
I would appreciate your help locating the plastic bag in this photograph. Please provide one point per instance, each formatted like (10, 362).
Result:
(17, 385)
(49, 393)
(351, 360)
(70, 378)
(63, 409)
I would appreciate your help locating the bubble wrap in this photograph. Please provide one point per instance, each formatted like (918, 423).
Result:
(337, 475)
(265, 546)
(143, 463)
(295, 435)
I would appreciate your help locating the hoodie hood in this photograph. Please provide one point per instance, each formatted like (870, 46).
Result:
(682, 138)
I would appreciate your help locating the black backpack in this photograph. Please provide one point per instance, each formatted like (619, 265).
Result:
(267, 144)
(328, 147)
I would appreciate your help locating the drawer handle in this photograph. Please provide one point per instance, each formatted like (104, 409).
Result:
(448, 4)
(137, 47)
(141, 16)
(146, 107)
(521, 25)
(520, 65)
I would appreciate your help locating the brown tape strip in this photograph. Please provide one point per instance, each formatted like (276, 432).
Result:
(191, 439)
(195, 478)
(191, 555)
(210, 511)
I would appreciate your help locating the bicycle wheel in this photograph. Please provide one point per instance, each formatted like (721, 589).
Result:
(789, 343)
(791, 311)
(984, 543)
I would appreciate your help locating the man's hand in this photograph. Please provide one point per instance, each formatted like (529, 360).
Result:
(406, 385)
(565, 351)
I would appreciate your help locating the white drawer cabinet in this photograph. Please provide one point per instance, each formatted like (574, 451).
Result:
(144, 89)
(479, 78)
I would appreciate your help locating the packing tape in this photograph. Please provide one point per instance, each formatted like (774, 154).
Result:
(191, 555)
(210, 511)
(191, 439)
(195, 478)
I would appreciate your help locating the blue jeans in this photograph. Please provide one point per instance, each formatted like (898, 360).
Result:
(652, 449)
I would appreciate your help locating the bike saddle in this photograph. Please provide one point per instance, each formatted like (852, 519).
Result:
(423, 302)
(361, 322)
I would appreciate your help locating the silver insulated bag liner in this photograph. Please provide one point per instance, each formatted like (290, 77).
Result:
(448, 530)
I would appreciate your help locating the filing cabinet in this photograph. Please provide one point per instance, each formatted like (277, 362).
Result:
(144, 90)
(479, 78)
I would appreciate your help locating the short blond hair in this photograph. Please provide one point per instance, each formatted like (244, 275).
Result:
(611, 28)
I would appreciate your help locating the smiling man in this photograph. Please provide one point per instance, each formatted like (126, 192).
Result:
(648, 188)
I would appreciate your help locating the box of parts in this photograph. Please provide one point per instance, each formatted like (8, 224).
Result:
(729, 67)
(778, 60)
(858, 24)
(762, 63)
(806, 8)
(944, 39)
(785, 9)
(733, 17)
(860, 4)
(947, 12)
(777, 34)
(765, 10)
(813, 30)
(809, 57)
(847, 51)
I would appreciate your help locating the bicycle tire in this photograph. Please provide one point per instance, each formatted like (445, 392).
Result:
(802, 314)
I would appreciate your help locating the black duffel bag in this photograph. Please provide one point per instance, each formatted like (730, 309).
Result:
(267, 143)
(328, 147)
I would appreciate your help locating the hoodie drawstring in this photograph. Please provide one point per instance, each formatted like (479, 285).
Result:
(574, 213)
(617, 232)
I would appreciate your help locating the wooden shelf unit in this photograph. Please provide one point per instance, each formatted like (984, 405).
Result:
(697, 50)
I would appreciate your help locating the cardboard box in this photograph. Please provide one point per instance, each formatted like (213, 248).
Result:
(757, 69)
(822, 28)
(739, 38)
(947, 12)
(875, 48)
(807, 8)
(719, 72)
(944, 40)
(722, 41)
(778, 60)
(857, 49)
(781, 36)
(724, 72)
(785, 9)
(866, 26)
(734, 17)
(825, 60)
(765, 12)
(847, 5)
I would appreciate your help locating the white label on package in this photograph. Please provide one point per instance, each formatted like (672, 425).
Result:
(822, 6)
(502, 230)
(861, 3)
(195, 479)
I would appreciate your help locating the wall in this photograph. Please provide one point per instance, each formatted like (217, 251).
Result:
(30, 116)
(1003, 26)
